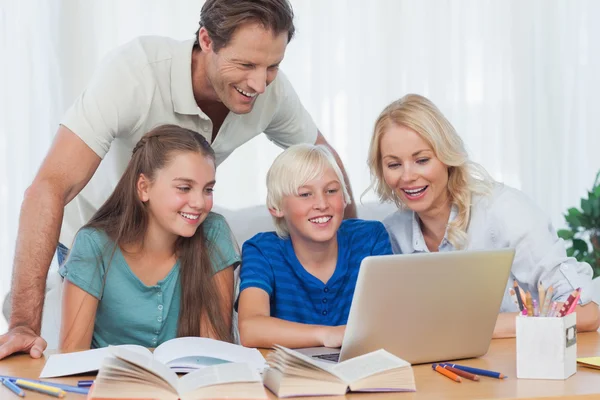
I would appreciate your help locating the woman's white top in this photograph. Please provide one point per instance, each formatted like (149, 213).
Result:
(507, 218)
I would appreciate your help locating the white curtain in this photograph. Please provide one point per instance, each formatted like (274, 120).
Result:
(518, 79)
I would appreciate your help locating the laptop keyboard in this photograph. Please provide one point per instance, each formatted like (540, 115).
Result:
(329, 357)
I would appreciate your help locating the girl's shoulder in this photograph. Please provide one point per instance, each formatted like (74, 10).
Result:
(92, 236)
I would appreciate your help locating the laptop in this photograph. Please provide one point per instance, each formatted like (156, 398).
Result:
(424, 307)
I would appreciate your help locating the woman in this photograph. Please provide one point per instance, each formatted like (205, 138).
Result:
(447, 202)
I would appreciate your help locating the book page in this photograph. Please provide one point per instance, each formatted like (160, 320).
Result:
(285, 353)
(184, 347)
(366, 365)
(147, 363)
(82, 361)
(218, 375)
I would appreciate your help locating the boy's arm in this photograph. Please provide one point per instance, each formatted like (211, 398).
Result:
(224, 283)
(78, 317)
(259, 329)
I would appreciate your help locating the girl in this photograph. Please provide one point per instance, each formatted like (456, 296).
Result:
(447, 202)
(153, 263)
(297, 283)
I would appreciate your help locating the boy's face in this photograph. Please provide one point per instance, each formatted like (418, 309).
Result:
(315, 214)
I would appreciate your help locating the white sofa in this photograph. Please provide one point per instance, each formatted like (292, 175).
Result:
(244, 223)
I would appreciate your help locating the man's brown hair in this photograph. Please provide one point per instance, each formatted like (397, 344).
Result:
(222, 17)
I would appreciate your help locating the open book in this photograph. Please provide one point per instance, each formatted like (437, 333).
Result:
(183, 354)
(294, 374)
(126, 374)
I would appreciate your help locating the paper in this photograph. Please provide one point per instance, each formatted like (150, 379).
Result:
(592, 362)
(217, 375)
(81, 361)
(366, 365)
(182, 348)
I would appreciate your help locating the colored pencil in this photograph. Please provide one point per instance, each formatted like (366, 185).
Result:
(12, 387)
(518, 294)
(541, 296)
(45, 389)
(478, 371)
(446, 372)
(464, 374)
(66, 388)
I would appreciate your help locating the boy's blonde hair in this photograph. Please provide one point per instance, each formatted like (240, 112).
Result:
(291, 170)
(465, 177)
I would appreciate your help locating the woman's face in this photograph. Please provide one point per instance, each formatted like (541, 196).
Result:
(412, 171)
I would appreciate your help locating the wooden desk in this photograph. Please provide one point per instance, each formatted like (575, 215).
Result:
(584, 385)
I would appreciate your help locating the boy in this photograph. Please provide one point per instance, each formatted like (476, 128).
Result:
(297, 283)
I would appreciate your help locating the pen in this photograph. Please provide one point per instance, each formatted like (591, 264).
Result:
(478, 371)
(574, 304)
(85, 383)
(13, 388)
(45, 389)
(446, 372)
(567, 304)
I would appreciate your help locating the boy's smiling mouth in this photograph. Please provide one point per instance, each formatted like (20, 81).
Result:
(321, 220)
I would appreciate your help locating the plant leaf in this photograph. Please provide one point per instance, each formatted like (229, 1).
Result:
(565, 234)
(581, 246)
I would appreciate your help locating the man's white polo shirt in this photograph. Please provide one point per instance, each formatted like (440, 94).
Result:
(147, 83)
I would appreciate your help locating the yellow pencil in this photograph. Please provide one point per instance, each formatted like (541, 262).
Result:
(49, 390)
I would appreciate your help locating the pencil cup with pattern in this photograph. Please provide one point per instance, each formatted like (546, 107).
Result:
(546, 347)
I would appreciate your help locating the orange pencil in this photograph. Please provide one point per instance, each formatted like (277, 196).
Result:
(447, 373)
(464, 374)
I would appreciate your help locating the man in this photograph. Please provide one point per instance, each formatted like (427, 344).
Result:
(225, 85)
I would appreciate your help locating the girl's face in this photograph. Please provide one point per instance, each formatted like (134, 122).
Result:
(181, 195)
(412, 171)
(315, 214)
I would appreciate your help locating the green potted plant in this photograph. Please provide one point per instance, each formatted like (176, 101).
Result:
(584, 229)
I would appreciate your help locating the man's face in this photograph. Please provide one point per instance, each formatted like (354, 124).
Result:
(241, 71)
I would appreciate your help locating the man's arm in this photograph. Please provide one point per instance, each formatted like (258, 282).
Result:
(66, 170)
(350, 211)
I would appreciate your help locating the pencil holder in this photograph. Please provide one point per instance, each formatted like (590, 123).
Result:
(546, 347)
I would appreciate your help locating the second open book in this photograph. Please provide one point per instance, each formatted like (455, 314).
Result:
(184, 354)
(126, 374)
(294, 374)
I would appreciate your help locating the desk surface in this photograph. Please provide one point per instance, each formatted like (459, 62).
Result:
(430, 384)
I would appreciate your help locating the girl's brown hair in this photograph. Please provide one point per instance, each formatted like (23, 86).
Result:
(124, 218)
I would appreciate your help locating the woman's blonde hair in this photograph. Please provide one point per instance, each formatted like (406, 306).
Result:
(291, 170)
(465, 177)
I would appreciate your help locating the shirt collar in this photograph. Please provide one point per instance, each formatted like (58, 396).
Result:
(418, 241)
(182, 91)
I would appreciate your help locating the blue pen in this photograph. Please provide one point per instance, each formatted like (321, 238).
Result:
(85, 383)
(478, 371)
(13, 388)
(66, 388)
